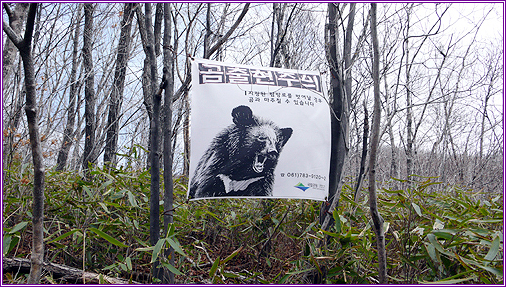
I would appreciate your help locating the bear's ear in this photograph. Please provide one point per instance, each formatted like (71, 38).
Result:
(243, 116)
(286, 133)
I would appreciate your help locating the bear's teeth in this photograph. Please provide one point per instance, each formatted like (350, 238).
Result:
(258, 166)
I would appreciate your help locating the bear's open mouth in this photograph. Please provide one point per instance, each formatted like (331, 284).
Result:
(258, 163)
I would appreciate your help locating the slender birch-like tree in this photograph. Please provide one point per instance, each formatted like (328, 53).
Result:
(24, 45)
(375, 133)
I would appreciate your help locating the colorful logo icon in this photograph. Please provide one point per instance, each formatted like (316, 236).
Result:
(301, 186)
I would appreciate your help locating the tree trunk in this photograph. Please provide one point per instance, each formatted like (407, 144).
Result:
(393, 155)
(340, 102)
(280, 42)
(223, 39)
(89, 90)
(274, 13)
(16, 19)
(118, 85)
(186, 135)
(154, 207)
(158, 27)
(71, 111)
(277, 20)
(375, 131)
(24, 46)
(347, 53)
(207, 37)
(409, 109)
(149, 75)
(361, 172)
(154, 153)
(168, 197)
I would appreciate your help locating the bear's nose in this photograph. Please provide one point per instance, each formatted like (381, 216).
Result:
(271, 148)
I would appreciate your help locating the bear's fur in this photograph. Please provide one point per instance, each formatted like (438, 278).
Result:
(240, 160)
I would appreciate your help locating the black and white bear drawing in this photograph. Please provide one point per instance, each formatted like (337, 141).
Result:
(240, 160)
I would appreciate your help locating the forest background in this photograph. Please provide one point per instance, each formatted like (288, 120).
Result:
(439, 168)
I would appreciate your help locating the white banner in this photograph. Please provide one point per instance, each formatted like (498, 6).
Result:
(258, 132)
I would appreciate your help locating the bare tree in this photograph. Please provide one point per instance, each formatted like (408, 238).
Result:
(168, 197)
(279, 44)
(147, 88)
(24, 45)
(409, 108)
(89, 90)
(375, 133)
(361, 172)
(182, 92)
(493, 75)
(116, 97)
(16, 20)
(227, 35)
(340, 103)
(74, 87)
(154, 153)
(154, 219)
(209, 32)
(410, 130)
(157, 30)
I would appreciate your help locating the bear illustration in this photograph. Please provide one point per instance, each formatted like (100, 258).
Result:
(240, 160)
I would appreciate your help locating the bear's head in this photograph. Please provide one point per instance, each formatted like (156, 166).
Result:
(260, 144)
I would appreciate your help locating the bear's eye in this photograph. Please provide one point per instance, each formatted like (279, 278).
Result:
(262, 138)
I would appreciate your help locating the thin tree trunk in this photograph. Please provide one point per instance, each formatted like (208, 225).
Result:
(89, 91)
(278, 17)
(207, 37)
(71, 111)
(10, 87)
(409, 108)
(347, 52)
(340, 102)
(375, 131)
(16, 19)
(219, 32)
(158, 27)
(482, 133)
(281, 44)
(287, 61)
(186, 136)
(116, 99)
(361, 172)
(154, 207)
(223, 39)
(76, 160)
(24, 46)
(154, 153)
(274, 13)
(168, 197)
(393, 155)
(148, 85)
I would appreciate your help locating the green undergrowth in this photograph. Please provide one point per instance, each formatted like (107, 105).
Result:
(435, 233)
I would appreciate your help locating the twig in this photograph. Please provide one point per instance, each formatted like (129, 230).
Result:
(275, 229)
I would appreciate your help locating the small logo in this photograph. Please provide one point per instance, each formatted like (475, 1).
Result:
(301, 186)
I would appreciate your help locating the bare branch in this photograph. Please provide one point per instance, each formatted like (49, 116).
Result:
(30, 21)
(227, 35)
(12, 35)
(278, 46)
